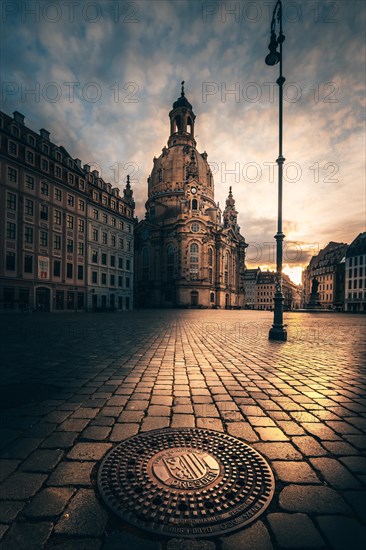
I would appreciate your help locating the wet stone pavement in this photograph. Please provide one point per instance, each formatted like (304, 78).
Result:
(74, 385)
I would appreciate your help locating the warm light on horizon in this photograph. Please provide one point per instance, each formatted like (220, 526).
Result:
(295, 273)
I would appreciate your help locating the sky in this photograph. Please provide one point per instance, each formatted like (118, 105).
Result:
(102, 77)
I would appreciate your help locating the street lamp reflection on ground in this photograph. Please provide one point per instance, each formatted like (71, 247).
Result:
(278, 330)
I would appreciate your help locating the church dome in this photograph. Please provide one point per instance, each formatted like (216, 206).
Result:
(180, 162)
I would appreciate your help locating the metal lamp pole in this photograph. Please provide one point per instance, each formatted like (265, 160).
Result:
(278, 330)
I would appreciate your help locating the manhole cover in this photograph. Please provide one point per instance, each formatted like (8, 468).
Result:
(187, 483)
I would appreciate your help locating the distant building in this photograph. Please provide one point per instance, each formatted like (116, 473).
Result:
(47, 204)
(250, 287)
(327, 269)
(291, 292)
(265, 290)
(355, 270)
(188, 253)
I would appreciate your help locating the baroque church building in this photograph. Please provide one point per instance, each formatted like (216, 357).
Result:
(187, 252)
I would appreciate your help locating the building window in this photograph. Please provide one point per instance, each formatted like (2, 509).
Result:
(11, 201)
(120, 281)
(129, 228)
(210, 275)
(44, 165)
(70, 245)
(70, 199)
(212, 297)
(69, 271)
(104, 200)
(169, 262)
(194, 204)
(58, 172)
(104, 238)
(104, 279)
(121, 244)
(104, 218)
(57, 242)
(81, 225)
(58, 194)
(210, 256)
(80, 272)
(95, 235)
(70, 179)
(128, 246)
(29, 207)
(57, 215)
(127, 282)
(94, 257)
(81, 184)
(195, 227)
(193, 258)
(29, 157)
(81, 205)
(43, 238)
(31, 141)
(12, 174)
(81, 249)
(120, 263)
(45, 149)
(28, 235)
(56, 268)
(12, 148)
(113, 240)
(104, 259)
(44, 212)
(95, 213)
(120, 224)
(95, 277)
(112, 280)
(113, 222)
(113, 261)
(10, 230)
(29, 182)
(10, 261)
(127, 265)
(44, 188)
(70, 221)
(28, 264)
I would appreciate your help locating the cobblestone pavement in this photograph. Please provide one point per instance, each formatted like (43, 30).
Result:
(97, 379)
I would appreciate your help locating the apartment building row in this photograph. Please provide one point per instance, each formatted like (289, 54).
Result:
(338, 273)
(67, 235)
(260, 288)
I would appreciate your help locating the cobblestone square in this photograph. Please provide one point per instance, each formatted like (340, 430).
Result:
(74, 385)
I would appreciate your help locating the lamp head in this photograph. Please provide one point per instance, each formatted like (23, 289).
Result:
(272, 58)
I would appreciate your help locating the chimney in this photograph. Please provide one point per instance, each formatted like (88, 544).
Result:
(78, 163)
(18, 117)
(87, 168)
(44, 134)
(95, 173)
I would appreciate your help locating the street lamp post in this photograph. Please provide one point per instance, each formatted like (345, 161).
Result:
(278, 330)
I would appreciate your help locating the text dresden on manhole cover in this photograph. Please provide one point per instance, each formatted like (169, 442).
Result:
(186, 482)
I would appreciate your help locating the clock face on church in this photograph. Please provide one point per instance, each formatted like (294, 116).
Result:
(194, 190)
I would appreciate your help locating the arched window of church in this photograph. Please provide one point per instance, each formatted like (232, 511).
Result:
(178, 123)
(160, 175)
(145, 263)
(170, 262)
(193, 261)
(189, 125)
(226, 271)
(194, 204)
(210, 256)
(212, 297)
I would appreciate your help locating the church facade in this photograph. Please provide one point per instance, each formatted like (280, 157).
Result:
(187, 252)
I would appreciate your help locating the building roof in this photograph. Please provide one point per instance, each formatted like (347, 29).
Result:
(358, 246)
